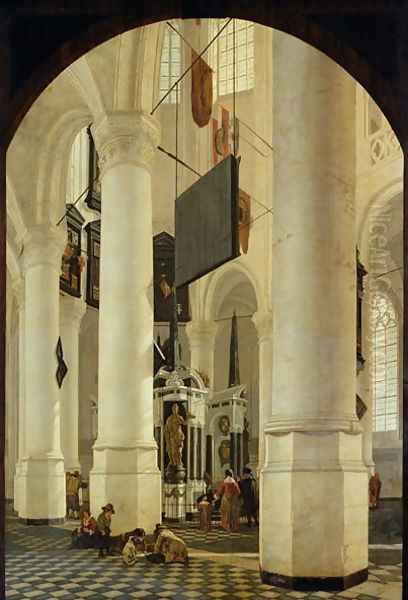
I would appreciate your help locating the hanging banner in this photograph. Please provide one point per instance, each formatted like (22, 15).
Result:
(201, 90)
(244, 220)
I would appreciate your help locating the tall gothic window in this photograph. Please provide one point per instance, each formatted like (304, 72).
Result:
(384, 364)
(222, 56)
(170, 64)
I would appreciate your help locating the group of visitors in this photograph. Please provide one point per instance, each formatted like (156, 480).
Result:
(230, 492)
(167, 546)
(94, 533)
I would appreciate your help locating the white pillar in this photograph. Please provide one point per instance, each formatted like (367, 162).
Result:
(263, 321)
(71, 312)
(314, 518)
(201, 337)
(11, 457)
(19, 293)
(125, 454)
(43, 479)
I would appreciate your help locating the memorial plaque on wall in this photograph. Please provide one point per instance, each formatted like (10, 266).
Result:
(163, 273)
(72, 261)
(93, 230)
(206, 223)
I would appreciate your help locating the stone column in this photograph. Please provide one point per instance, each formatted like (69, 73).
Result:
(314, 530)
(19, 294)
(264, 327)
(125, 453)
(71, 312)
(42, 470)
(12, 334)
(201, 337)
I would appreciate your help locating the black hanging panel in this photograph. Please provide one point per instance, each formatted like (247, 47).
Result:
(206, 223)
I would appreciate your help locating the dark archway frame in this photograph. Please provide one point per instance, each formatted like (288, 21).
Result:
(40, 38)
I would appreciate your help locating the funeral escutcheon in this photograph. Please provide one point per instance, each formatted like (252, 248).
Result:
(206, 223)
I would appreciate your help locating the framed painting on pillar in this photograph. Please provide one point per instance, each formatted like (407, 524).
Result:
(72, 261)
(93, 198)
(93, 230)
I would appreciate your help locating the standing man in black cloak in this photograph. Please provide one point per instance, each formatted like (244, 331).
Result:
(247, 485)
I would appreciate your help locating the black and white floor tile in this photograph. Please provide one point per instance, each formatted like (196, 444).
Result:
(39, 566)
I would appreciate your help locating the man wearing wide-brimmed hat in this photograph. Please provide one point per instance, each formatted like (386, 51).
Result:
(104, 529)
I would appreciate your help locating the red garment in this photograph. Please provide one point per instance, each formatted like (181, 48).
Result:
(88, 525)
(230, 505)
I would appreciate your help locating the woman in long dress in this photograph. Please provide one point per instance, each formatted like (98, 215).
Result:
(230, 504)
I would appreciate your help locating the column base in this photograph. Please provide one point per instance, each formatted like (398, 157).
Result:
(130, 480)
(17, 487)
(314, 584)
(59, 521)
(41, 486)
(194, 489)
(313, 511)
(175, 502)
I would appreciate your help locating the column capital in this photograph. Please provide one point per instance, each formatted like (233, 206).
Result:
(43, 245)
(263, 321)
(71, 309)
(126, 138)
(197, 330)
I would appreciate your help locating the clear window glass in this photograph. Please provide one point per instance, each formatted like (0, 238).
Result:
(384, 363)
(170, 64)
(222, 56)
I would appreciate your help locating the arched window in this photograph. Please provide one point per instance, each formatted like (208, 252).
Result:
(384, 371)
(222, 56)
(170, 62)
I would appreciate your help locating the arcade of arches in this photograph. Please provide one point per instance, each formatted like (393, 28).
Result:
(324, 174)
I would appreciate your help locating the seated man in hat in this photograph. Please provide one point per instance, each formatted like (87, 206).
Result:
(104, 529)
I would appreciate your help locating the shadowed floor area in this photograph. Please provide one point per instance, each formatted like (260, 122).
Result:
(39, 565)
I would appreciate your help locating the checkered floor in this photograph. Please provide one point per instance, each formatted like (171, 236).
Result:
(39, 566)
(218, 540)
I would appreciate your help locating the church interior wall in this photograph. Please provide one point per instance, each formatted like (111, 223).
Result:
(379, 203)
(256, 177)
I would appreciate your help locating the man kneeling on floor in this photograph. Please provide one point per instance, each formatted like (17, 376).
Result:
(168, 547)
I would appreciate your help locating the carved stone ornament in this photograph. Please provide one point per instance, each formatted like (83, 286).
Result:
(43, 245)
(126, 137)
(263, 321)
(176, 377)
(175, 492)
